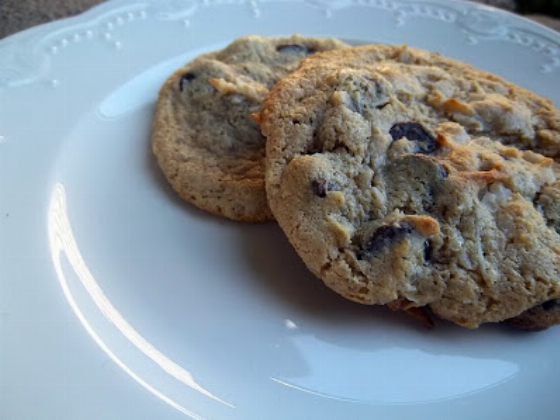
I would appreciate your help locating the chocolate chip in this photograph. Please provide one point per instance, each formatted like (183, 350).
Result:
(319, 187)
(551, 304)
(186, 80)
(428, 252)
(385, 235)
(414, 132)
(293, 49)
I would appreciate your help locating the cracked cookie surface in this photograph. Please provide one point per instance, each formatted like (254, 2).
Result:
(205, 141)
(405, 178)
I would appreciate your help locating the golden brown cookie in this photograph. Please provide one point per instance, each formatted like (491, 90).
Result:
(205, 141)
(409, 179)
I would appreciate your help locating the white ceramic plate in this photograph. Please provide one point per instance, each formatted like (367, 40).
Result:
(119, 301)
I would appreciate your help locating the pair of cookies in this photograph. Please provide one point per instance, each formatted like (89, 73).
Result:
(400, 177)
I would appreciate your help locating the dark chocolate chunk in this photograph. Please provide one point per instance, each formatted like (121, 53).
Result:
(385, 235)
(186, 80)
(428, 252)
(293, 48)
(415, 132)
(551, 304)
(319, 187)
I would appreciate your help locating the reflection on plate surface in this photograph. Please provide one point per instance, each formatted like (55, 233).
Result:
(369, 377)
(63, 245)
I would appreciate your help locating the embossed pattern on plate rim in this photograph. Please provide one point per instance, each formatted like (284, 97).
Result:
(26, 56)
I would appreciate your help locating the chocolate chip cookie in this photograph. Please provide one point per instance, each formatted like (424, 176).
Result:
(205, 141)
(405, 178)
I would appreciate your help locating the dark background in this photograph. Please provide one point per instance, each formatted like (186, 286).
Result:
(17, 15)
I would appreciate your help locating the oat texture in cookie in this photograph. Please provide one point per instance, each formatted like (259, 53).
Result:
(205, 141)
(405, 178)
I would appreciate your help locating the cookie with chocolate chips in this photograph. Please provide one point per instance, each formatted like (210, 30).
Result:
(205, 141)
(408, 179)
